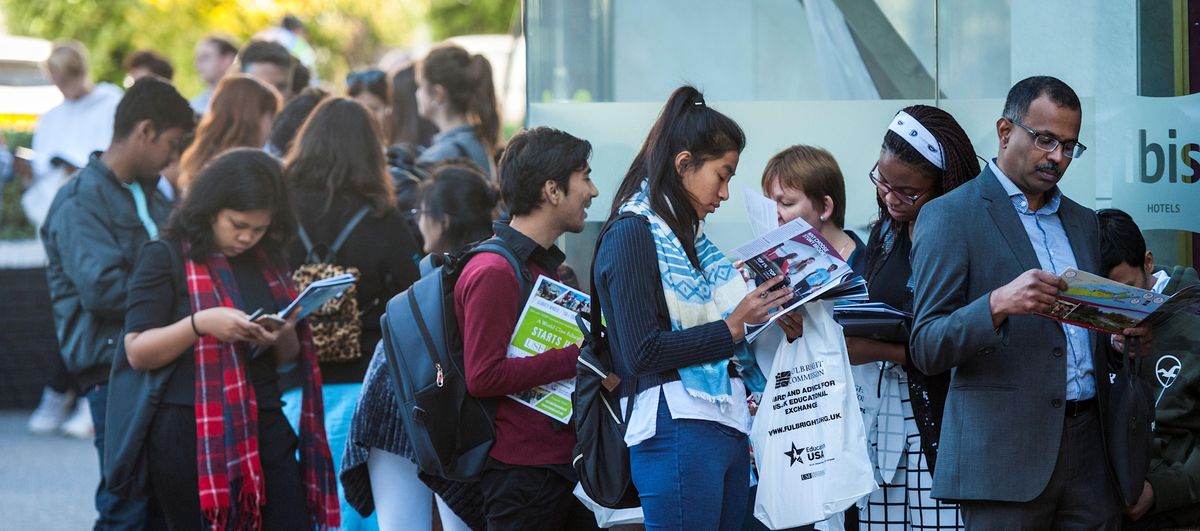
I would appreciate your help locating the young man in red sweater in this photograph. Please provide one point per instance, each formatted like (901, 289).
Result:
(545, 182)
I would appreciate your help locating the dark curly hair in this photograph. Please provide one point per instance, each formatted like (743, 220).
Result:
(241, 179)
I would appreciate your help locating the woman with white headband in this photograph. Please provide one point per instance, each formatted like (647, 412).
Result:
(925, 154)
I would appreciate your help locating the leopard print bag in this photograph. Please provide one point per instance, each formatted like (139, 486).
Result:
(337, 325)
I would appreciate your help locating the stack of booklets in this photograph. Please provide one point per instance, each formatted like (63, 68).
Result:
(813, 269)
(1095, 302)
(873, 320)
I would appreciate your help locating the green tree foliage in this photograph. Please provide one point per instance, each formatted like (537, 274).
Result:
(465, 17)
(345, 33)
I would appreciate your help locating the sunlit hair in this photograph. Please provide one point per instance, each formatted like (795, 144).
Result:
(467, 80)
(337, 153)
(234, 119)
(812, 171)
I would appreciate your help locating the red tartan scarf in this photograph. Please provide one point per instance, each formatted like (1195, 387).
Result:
(227, 457)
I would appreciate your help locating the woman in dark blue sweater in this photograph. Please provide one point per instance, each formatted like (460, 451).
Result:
(677, 314)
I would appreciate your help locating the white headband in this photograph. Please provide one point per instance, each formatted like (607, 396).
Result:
(918, 137)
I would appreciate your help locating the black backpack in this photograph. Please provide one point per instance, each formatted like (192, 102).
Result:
(601, 458)
(449, 431)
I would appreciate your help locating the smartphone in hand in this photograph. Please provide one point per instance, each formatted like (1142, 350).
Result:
(269, 321)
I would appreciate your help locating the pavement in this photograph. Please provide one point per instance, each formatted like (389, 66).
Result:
(47, 482)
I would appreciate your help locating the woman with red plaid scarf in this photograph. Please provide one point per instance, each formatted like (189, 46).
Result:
(216, 448)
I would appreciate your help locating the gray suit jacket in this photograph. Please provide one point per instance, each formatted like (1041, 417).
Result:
(1004, 414)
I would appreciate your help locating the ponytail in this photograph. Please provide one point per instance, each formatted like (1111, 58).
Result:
(482, 109)
(467, 80)
(686, 123)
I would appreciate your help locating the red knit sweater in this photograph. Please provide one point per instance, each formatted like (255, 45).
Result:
(487, 306)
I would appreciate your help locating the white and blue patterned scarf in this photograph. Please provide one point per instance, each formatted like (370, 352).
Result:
(699, 297)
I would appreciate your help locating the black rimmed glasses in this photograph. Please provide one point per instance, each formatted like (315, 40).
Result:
(1048, 143)
(882, 186)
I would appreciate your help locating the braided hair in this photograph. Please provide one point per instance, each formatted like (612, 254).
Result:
(962, 165)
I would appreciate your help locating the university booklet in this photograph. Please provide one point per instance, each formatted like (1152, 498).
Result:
(316, 294)
(813, 269)
(1095, 302)
(873, 320)
(548, 322)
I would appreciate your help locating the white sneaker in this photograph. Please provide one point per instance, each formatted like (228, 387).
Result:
(79, 425)
(51, 411)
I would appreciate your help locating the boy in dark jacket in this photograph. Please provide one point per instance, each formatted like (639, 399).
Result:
(92, 234)
(1171, 496)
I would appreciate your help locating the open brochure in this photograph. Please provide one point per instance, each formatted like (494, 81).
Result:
(548, 322)
(873, 320)
(316, 294)
(813, 269)
(1095, 302)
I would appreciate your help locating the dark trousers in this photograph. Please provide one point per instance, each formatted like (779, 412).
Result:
(174, 481)
(58, 378)
(114, 511)
(529, 497)
(1080, 495)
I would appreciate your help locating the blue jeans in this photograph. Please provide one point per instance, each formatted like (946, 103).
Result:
(340, 401)
(115, 512)
(692, 475)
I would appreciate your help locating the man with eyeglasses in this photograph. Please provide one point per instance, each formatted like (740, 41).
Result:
(1022, 444)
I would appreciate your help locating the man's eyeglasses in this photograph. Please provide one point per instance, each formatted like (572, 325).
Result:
(886, 188)
(1049, 144)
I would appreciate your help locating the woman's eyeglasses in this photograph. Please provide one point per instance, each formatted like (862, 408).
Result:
(908, 199)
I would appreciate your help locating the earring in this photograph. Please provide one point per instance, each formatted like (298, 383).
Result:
(822, 218)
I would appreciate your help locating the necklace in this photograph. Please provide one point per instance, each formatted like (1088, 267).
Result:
(842, 251)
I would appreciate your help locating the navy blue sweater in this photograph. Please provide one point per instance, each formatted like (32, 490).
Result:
(639, 325)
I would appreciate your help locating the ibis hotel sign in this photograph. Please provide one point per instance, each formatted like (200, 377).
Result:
(1150, 151)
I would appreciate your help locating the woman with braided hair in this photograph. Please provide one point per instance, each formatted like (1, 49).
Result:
(925, 154)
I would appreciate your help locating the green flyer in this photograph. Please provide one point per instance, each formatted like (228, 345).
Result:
(548, 322)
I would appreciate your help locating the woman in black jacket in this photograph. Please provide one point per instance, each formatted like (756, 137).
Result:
(336, 171)
(206, 424)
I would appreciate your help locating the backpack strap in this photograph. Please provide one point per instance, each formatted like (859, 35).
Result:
(498, 246)
(331, 250)
(349, 228)
(596, 323)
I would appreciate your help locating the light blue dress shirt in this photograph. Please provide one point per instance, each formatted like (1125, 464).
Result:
(1053, 248)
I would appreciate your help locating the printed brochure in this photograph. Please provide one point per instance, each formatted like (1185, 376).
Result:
(548, 322)
(1095, 302)
(316, 294)
(873, 320)
(813, 269)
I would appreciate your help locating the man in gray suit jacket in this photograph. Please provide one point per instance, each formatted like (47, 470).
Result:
(1021, 444)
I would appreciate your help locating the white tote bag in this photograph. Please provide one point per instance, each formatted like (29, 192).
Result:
(808, 435)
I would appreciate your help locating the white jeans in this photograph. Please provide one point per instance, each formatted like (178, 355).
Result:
(402, 501)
